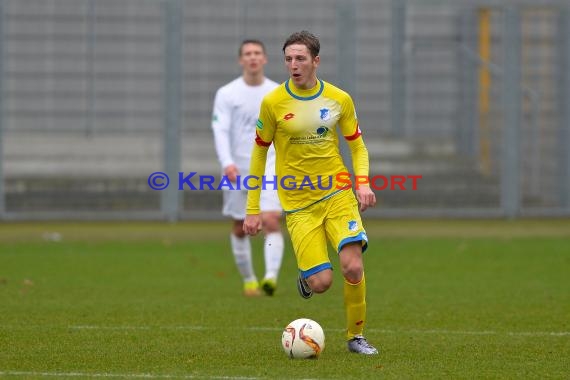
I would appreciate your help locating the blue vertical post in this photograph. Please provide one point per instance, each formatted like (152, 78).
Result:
(346, 45)
(91, 74)
(170, 201)
(564, 107)
(2, 116)
(397, 79)
(346, 66)
(510, 170)
(468, 104)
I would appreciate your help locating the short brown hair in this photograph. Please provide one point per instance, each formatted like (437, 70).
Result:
(304, 38)
(250, 41)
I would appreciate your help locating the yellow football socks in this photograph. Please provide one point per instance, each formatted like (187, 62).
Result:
(251, 289)
(355, 305)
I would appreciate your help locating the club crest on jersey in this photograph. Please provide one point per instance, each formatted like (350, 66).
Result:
(325, 114)
(353, 225)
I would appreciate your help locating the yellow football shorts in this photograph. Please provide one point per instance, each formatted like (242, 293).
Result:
(335, 219)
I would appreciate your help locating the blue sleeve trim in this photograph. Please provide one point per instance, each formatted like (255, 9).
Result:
(317, 269)
(361, 237)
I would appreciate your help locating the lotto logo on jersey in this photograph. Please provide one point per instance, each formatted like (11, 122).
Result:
(289, 116)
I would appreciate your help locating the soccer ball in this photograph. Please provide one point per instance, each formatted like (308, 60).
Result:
(303, 338)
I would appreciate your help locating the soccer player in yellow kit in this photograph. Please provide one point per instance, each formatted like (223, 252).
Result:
(300, 117)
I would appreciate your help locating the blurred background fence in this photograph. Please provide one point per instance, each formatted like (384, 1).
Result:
(96, 95)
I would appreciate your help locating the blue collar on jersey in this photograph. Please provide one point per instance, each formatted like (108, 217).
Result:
(303, 97)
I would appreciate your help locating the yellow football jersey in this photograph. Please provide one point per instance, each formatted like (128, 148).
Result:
(302, 125)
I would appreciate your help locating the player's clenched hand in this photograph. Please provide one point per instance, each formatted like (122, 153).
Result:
(366, 197)
(252, 224)
(231, 172)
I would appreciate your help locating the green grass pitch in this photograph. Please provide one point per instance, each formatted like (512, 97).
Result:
(446, 299)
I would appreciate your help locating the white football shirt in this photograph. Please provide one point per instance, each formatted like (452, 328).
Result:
(236, 110)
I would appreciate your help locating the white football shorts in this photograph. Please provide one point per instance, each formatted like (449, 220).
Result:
(235, 203)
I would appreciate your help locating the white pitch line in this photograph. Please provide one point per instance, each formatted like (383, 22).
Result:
(543, 333)
(262, 328)
(119, 375)
(383, 331)
(95, 327)
(464, 332)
